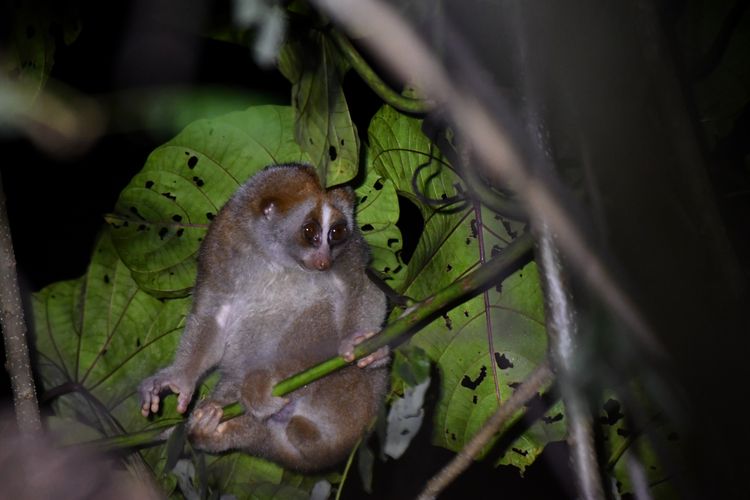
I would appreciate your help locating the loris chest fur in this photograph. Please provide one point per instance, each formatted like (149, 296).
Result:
(281, 286)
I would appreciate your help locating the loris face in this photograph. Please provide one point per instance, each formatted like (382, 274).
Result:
(301, 222)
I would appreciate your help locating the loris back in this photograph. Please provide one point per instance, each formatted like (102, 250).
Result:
(281, 286)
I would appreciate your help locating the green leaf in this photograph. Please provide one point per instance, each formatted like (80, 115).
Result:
(323, 126)
(162, 215)
(621, 440)
(489, 344)
(29, 57)
(103, 334)
(377, 215)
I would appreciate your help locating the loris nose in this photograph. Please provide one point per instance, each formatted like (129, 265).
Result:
(322, 263)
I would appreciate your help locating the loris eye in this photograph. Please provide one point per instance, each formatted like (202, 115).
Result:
(337, 234)
(311, 233)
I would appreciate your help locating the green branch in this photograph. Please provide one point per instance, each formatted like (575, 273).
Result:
(153, 436)
(391, 97)
(510, 259)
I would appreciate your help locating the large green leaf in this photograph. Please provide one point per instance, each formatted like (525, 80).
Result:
(377, 214)
(323, 126)
(164, 212)
(102, 334)
(489, 344)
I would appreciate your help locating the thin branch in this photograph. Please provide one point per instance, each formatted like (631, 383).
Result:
(390, 96)
(14, 331)
(517, 253)
(562, 330)
(157, 434)
(536, 380)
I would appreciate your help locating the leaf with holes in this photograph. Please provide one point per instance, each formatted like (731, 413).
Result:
(162, 215)
(628, 445)
(98, 336)
(323, 126)
(488, 345)
(377, 214)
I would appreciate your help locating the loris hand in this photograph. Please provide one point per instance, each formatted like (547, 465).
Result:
(375, 360)
(152, 387)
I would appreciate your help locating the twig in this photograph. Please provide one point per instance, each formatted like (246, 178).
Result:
(390, 96)
(540, 377)
(14, 331)
(510, 259)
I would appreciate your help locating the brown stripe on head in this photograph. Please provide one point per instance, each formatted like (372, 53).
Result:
(281, 188)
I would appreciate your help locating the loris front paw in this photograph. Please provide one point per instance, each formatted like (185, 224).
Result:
(374, 360)
(151, 388)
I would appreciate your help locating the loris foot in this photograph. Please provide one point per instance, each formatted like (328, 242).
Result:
(375, 360)
(204, 425)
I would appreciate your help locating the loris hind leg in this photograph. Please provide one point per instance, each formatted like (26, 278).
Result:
(295, 443)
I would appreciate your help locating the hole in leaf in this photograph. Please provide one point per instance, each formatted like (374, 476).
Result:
(332, 153)
(612, 409)
(473, 384)
(502, 362)
(411, 225)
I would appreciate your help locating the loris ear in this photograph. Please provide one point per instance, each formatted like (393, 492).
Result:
(269, 206)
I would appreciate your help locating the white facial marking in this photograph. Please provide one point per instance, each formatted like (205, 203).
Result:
(326, 221)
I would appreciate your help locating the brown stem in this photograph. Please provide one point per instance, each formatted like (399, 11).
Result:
(14, 331)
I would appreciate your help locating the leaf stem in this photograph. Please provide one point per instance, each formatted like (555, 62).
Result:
(390, 96)
(516, 254)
